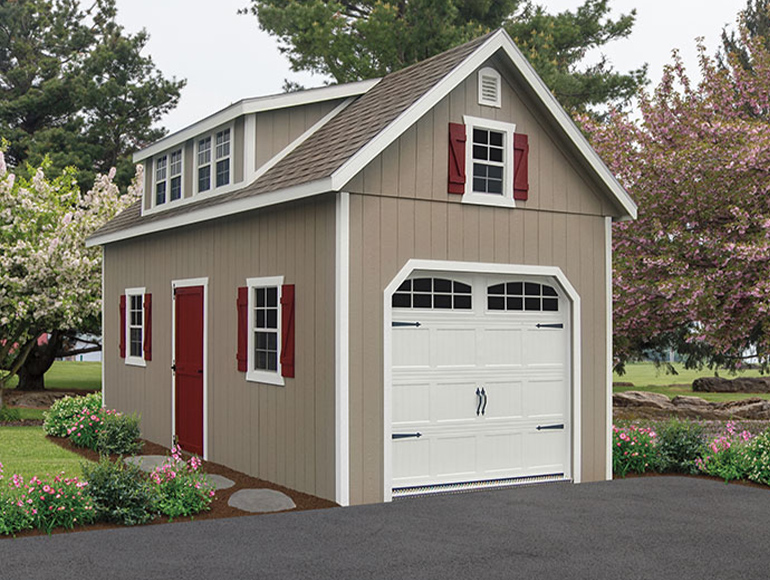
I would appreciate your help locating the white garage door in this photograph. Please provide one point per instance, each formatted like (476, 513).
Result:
(480, 380)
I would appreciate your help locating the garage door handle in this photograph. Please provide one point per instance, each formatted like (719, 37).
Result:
(478, 401)
(544, 427)
(557, 325)
(484, 394)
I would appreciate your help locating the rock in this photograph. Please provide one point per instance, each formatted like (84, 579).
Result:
(737, 385)
(643, 405)
(641, 399)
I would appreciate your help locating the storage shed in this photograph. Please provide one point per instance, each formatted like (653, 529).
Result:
(376, 289)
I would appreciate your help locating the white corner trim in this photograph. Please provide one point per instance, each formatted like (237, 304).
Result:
(342, 350)
(220, 210)
(186, 283)
(498, 40)
(256, 105)
(104, 344)
(255, 375)
(481, 268)
(608, 346)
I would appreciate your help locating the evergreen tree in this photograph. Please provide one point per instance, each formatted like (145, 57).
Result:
(355, 40)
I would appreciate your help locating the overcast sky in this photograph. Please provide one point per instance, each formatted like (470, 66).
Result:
(225, 57)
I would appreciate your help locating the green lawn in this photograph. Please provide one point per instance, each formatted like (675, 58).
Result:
(25, 450)
(647, 377)
(66, 375)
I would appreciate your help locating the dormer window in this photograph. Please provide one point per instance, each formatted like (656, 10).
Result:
(168, 177)
(489, 88)
(221, 160)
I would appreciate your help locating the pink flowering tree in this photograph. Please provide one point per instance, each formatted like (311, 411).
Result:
(49, 281)
(692, 273)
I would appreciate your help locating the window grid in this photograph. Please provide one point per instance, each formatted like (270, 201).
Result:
(488, 161)
(175, 170)
(223, 158)
(437, 293)
(160, 180)
(522, 296)
(135, 325)
(266, 328)
(204, 164)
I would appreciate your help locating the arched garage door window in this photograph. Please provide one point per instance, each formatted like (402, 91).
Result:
(433, 293)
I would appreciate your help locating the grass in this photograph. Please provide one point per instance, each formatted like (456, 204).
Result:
(71, 375)
(26, 451)
(647, 377)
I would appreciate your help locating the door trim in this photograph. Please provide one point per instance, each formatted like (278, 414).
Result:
(186, 283)
(553, 272)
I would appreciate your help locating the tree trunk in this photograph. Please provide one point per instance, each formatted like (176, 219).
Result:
(32, 373)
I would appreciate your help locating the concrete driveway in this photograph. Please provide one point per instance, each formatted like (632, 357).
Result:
(656, 528)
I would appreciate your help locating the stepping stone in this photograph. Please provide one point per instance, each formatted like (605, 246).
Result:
(146, 462)
(219, 481)
(260, 501)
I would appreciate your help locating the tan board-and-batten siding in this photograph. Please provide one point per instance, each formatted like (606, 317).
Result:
(400, 209)
(282, 434)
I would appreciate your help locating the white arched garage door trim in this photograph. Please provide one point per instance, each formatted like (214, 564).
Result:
(439, 266)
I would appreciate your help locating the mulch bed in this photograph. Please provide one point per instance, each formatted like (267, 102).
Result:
(218, 507)
(743, 482)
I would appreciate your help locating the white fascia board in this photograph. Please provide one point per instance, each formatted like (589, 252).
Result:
(499, 40)
(255, 105)
(235, 206)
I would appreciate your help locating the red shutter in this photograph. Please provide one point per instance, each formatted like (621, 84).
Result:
(148, 327)
(122, 326)
(456, 158)
(520, 166)
(287, 330)
(243, 328)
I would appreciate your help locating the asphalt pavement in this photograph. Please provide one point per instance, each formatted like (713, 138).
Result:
(650, 528)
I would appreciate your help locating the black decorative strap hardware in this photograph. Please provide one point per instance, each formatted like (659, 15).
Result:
(558, 325)
(484, 394)
(544, 427)
(478, 401)
(406, 435)
(406, 324)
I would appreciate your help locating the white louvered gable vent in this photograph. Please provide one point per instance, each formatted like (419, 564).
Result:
(489, 87)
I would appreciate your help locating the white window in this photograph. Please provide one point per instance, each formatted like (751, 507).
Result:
(264, 327)
(168, 177)
(214, 160)
(489, 162)
(135, 326)
(490, 88)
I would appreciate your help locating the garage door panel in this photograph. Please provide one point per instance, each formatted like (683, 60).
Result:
(411, 403)
(544, 399)
(453, 402)
(504, 400)
(501, 454)
(502, 347)
(544, 451)
(411, 348)
(454, 457)
(411, 459)
(545, 347)
(453, 347)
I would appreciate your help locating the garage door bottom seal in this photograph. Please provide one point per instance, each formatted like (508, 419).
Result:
(460, 487)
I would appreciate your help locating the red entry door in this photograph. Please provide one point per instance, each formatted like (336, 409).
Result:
(188, 361)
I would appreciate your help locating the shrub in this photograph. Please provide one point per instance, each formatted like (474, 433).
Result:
(9, 414)
(86, 427)
(63, 413)
(757, 458)
(183, 490)
(121, 492)
(119, 434)
(15, 513)
(632, 449)
(60, 503)
(726, 455)
(679, 444)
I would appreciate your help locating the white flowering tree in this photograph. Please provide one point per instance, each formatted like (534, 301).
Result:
(50, 283)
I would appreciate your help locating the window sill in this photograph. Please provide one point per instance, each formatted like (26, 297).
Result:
(135, 362)
(488, 199)
(265, 377)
